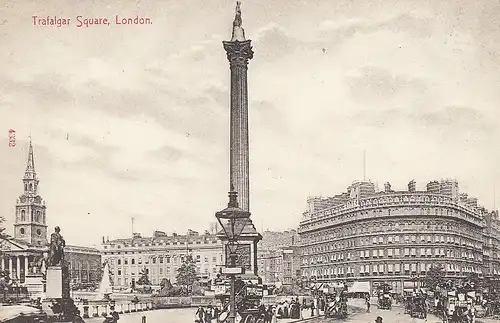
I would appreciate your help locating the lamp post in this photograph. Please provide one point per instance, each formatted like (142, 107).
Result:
(232, 220)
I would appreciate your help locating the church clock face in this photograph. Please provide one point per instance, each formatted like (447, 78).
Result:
(23, 199)
(39, 232)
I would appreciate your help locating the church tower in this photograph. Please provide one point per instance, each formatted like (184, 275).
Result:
(30, 224)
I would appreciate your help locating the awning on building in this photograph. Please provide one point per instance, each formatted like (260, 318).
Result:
(335, 285)
(360, 287)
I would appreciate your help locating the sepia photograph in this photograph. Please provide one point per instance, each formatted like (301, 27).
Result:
(249, 161)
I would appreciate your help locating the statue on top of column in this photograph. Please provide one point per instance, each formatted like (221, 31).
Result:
(56, 251)
(238, 31)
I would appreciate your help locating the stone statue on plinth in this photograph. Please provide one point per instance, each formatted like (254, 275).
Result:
(57, 277)
(238, 31)
(56, 252)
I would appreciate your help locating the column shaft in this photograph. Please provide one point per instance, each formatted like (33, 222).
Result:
(26, 261)
(238, 54)
(10, 268)
(239, 158)
(18, 267)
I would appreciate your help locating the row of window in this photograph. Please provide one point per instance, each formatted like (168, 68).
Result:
(161, 243)
(366, 269)
(384, 226)
(396, 253)
(160, 259)
(394, 239)
(36, 217)
(161, 271)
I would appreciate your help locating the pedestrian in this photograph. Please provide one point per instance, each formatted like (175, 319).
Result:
(312, 308)
(367, 300)
(200, 312)
(268, 314)
(208, 314)
(286, 312)
(216, 314)
(378, 319)
(114, 314)
(77, 318)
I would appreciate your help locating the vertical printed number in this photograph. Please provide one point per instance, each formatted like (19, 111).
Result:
(12, 138)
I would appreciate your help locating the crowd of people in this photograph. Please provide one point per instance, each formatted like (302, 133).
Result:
(206, 315)
(288, 309)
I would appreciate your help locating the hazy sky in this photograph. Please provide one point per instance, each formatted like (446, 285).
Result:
(132, 121)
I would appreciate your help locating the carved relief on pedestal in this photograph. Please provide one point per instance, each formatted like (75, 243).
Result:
(244, 256)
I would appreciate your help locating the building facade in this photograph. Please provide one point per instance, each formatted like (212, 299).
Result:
(396, 236)
(279, 267)
(24, 253)
(491, 246)
(84, 265)
(278, 257)
(161, 255)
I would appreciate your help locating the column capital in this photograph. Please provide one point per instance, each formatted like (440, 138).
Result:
(238, 52)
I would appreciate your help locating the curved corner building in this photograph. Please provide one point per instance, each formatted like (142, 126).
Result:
(396, 236)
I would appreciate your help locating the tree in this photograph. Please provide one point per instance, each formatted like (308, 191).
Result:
(4, 281)
(144, 279)
(4, 274)
(3, 235)
(186, 274)
(434, 277)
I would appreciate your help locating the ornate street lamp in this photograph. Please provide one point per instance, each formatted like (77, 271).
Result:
(233, 221)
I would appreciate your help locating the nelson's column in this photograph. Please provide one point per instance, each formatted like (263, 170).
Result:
(244, 250)
(239, 51)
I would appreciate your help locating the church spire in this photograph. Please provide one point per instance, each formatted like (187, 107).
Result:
(30, 166)
(30, 224)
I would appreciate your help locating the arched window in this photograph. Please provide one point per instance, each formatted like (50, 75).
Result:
(31, 187)
(21, 231)
(25, 186)
(23, 215)
(37, 216)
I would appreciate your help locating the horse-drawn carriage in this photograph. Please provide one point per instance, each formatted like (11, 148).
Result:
(456, 307)
(384, 301)
(384, 297)
(337, 307)
(417, 307)
(248, 299)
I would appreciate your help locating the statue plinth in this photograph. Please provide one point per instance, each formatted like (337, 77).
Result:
(57, 291)
(54, 281)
